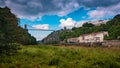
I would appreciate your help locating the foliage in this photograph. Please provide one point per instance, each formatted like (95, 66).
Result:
(10, 32)
(62, 57)
(112, 26)
(88, 24)
(10, 48)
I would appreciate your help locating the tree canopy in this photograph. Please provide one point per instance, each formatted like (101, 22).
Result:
(10, 31)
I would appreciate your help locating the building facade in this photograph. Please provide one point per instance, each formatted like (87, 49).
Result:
(89, 38)
(73, 40)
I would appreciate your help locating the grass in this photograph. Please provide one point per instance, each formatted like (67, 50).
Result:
(62, 57)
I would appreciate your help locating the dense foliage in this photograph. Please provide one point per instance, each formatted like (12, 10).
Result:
(10, 32)
(62, 57)
(87, 24)
(113, 27)
(9, 48)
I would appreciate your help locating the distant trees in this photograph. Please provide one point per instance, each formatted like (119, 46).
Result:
(88, 25)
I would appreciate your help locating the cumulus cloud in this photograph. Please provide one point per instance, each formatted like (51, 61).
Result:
(41, 26)
(105, 11)
(80, 23)
(35, 8)
(69, 22)
(99, 3)
(72, 23)
(31, 9)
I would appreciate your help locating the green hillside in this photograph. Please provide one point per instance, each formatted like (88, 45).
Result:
(11, 34)
(10, 31)
(112, 26)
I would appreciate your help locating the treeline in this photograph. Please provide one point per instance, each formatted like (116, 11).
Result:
(10, 31)
(112, 26)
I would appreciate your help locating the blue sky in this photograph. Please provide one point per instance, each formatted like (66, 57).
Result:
(56, 14)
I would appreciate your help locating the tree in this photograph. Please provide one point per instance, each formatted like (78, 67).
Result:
(88, 24)
(10, 32)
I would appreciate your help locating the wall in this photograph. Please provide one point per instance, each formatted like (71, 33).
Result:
(73, 40)
(111, 42)
(89, 38)
(93, 37)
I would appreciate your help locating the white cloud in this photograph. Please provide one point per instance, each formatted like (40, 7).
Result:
(96, 14)
(35, 8)
(80, 23)
(69, 22)
(66, 7)
(105, 11)
(95, 22)
(41, 26)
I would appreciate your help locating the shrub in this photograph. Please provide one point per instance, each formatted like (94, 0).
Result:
(10, 48)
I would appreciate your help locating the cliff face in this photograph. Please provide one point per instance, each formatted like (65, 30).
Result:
(112, 26)
(53, 38)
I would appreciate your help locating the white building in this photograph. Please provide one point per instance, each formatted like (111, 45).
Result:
(88, 38)
(73, 40)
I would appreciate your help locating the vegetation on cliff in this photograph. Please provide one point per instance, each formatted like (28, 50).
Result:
(112, 26)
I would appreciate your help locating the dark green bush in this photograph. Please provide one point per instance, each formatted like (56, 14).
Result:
(10, 48)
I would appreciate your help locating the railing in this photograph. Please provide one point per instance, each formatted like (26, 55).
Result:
(26, 25)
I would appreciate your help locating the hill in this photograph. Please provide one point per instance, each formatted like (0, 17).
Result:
(112, 26)
(10, 31)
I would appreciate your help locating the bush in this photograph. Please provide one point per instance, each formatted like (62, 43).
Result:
(10, 48)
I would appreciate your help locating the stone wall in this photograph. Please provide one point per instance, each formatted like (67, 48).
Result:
(111, 42)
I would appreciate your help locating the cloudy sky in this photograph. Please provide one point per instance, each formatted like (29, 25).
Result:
(56, 14)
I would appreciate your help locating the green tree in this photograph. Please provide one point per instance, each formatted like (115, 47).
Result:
(10, 32)
(88, 24)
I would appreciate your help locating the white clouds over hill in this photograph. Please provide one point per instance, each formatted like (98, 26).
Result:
(69, 22)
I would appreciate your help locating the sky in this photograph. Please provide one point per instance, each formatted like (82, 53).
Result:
(57, 14)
